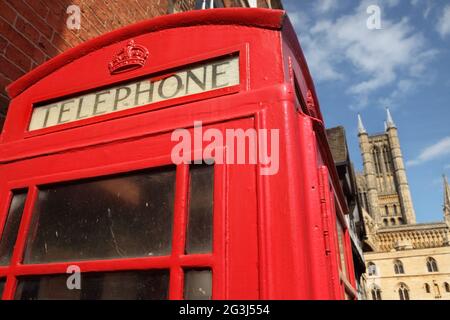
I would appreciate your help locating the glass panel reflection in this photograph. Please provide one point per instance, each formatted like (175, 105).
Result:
(198, 285)
(201, 203)
(12, 224)
(111, 217)
(123, 285)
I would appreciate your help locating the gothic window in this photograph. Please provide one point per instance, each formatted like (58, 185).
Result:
(403, 292)
(447, 287)
(386, 222)
(432, 265)
(398, 267)
(376, 293)
(376, 160)
(372, 269)
(395, 210)
(386, 160)
(400, 220)
(393, 221)
(427, 288)
(380, 161)
(386, 210)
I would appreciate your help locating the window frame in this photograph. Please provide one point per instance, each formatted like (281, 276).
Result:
(176, 262)
(432, 265)
(376, 293)
(399, 267)
(403, 292)
(447, 287)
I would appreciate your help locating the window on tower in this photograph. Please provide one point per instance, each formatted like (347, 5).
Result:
(432, 265)
(376, 293)
(386, 159)
(376, 157)
(403, 292)
(398, 267)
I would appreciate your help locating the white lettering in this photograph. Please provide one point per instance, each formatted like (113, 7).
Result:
(214, 75)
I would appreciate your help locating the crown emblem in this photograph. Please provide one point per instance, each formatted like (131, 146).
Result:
(131, 57)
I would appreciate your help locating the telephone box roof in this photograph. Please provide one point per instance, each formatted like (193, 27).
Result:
(251, 17)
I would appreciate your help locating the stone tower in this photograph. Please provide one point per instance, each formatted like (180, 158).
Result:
(446, 201)
(386, 196)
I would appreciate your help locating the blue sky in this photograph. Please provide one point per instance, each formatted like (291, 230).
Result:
(405, 66)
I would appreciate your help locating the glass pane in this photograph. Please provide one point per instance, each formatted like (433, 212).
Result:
(198, 285)
(112, 217)
(123, 285)
(9, 234)
(200, 224)
(2, 286)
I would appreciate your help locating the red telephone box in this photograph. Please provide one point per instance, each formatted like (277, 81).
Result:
(89, 187)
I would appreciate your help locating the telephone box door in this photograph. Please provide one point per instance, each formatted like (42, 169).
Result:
(129, 223)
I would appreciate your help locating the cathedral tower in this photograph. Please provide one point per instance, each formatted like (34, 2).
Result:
(370, 195)
(386, 197)
(446, 201)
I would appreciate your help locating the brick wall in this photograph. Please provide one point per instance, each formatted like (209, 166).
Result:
(33, 31)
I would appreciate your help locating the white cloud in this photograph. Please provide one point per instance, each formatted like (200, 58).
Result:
(396, 55)
(323, 6)
(443, 25)
(439, 149)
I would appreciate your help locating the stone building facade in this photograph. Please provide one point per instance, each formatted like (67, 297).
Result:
(34, 31)
(405, 260)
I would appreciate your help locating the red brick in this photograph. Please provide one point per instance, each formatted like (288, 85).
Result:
(60, 43)
(3, 83)
(49, 49)
(19, 59)
(3, 44)
(8, 69)
(28, 14)
(8, 13)
(70, 36)
(41, 8)
(100, 14)
(57, 6)
(57, 18)
(119, 12)
(21, 42)
(27, 30)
